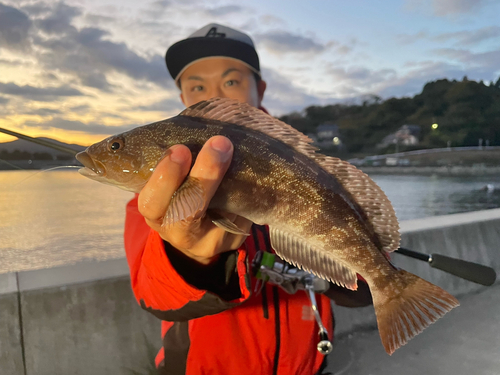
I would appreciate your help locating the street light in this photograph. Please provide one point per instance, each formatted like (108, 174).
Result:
(434, 126)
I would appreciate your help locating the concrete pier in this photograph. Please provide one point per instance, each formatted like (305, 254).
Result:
(83, 319)
(79, 320)
(464, 341)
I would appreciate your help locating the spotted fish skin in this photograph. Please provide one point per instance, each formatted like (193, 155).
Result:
(324, 215)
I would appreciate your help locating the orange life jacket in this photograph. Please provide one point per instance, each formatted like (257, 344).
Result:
(269, 332)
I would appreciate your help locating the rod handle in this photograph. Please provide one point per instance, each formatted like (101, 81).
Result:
(474, 272)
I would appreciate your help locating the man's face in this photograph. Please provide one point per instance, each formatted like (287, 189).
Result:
(220, 77)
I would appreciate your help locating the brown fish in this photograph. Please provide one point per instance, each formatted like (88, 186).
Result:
(324, 215)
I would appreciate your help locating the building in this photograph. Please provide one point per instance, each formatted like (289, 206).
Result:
(328, 135)
(407, 135)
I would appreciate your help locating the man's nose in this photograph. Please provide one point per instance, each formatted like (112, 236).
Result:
(218, 92)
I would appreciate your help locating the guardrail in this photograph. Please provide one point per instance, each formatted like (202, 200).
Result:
(425, 151)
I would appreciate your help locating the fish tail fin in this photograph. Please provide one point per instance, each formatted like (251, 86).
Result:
(404, 312)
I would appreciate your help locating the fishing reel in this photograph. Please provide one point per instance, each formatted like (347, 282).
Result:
(267, 267)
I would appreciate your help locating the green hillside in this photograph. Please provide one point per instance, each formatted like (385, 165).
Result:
(465, 111)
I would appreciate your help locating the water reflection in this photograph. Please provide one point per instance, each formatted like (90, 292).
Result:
(422, 196)
(60, 217)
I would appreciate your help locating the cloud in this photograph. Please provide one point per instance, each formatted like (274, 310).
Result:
(485, 63)
(59, 21)
(271, 20)
(90, 128)
(4, 100)
(358, 80)
(443, 8)
(80, 108)
(48, 76)
(15, 62)
(453, 7)
(165, 105)
(224, 10)
(462, 38)
(14, 28)
(45, 94)
(470, 38)
(36, 9)
(97, 19)
(97, 80)
(85, 52)
(284, 42)
(156, 9)
(43, 112)
(413, 81)
(282, 96)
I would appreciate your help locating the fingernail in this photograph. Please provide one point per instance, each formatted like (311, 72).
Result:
(223, 146)
(176, 155)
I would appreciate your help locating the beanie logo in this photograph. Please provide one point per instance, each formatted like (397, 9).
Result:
(212, 33)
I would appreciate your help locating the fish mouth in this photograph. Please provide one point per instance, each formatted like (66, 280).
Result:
(92, 168)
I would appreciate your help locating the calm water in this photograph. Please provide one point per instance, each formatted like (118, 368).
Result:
(60, 217)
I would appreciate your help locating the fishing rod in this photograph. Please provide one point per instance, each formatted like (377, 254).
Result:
(477, 273)
(40, 141)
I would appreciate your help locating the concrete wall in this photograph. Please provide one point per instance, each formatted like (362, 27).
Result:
(77, 320)
(11, 355)
(473, 236)
(83, 319)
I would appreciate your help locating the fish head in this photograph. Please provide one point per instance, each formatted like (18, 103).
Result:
(126, 160)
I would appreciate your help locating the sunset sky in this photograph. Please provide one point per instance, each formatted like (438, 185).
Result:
(80, 70)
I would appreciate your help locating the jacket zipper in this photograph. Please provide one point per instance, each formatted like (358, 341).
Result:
(277, 329)
(265, 308)
(276, 301)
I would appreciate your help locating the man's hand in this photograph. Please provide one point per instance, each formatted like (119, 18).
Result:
(196, 237)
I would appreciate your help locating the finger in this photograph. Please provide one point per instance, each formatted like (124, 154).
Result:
(212, 163)
(165, 180)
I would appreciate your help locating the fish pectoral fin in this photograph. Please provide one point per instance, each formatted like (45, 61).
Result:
(224, 223)
(188, 201)
(402, 313)
(300, 253)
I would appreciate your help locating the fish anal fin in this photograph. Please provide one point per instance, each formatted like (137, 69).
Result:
(403, 316)
(297, 251)
(188, 201)
(224, 223)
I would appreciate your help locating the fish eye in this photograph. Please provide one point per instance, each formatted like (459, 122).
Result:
(115, 144)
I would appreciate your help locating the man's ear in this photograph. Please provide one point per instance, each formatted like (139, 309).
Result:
(261, 87)
(182, 99)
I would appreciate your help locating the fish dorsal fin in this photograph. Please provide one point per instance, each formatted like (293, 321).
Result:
(232, 111)
(362, 188)
(369, 197)
(300, 253)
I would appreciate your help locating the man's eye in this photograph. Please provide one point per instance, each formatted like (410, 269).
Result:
(231, 82)
(197, 88)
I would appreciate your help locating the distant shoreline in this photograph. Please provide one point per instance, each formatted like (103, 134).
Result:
(429, 171)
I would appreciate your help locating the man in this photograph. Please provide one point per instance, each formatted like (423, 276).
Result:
(195, 276)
